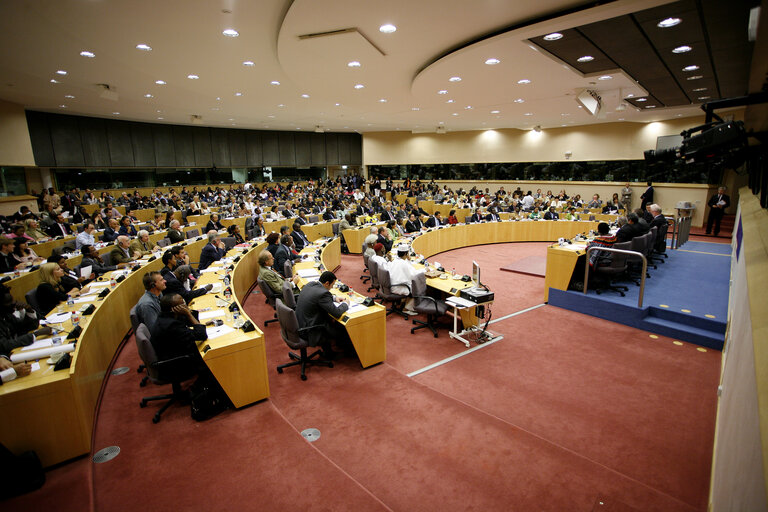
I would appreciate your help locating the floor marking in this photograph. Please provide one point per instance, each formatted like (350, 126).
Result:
(469, 351)
(701, 349)
(517, 313)
(678, 343)
(710, 316)
(702, 252)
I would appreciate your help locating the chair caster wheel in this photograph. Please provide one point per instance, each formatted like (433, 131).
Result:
(279, 370)
(155, 419)
(303, 377)
(142, 404)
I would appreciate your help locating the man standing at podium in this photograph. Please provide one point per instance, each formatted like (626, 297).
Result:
(717, 205)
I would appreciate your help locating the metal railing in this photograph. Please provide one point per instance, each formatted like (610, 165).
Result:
(621, 251)
(680, 231)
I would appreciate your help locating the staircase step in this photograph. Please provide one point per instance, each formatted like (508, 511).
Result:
(672, 329)
(710, 324)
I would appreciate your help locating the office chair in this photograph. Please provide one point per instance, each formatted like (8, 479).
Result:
(164, 242)
(270, 298)
(288, 269)
(424, 304)
(31, 298)
(291, 333)
(135, 322)
(385, 292)
(313, 218)
(605, 275)
(365, 278)
(229, 242)
(373, 269)
(106, 257)
(192, 233)
(289, 299)
(170, 371)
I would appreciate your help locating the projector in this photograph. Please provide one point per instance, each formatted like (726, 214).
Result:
(477, 295)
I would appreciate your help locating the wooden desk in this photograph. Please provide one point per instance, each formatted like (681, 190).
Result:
(356, 236)
(560, 264)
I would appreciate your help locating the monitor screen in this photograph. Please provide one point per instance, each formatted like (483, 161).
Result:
(476, 273)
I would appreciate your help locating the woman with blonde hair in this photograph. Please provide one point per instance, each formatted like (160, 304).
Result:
(50, 291)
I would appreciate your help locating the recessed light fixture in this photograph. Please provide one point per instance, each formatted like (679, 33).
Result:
(69, 96)
(492, 61)
(218, 98)
(353, 64)
(695, 77)
(528, 113)
(274, 82)
(455, 79)
(650, 106)
(144, 47)
(699, 89)
(415, 108)
(193, 77)
(565, 114)
(692, 67)
(641, 99)
(159, 111)
(281, 105)
(554, 36)
(450, 101)
(359, 86)
(621, 119)
(337, 104)
(86, 53)
(468, 107)
(160, 82)
(704, 97)
(524, 81)
(305, 96)
(387, 28)
(61, 72)
(585, 58)
(442, 91)
(230, 32)
(682, 49)
(668, 22)
(495, 111)
(161, 118)
(148, 96)
(630, 95)
(519, 100)
(271, 116)
(115, 113)
(455, 114)
(215, 109)
(238, 94)
(54, 81)
(383, 100)
(248, 63)
(605, 77)
(62, 106)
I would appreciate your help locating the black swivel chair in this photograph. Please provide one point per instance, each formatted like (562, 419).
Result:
(426, 305)
(292, 335)
(170, 371)
(31, 298)
(106, 258)
(192, 233)
(270, 298)
(289, 299)
(373, 269)
(135, 322)
(364, 277)
(385, 292)
(164, 242)
(602, 276)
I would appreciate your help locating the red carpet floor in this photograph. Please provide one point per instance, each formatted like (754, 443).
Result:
(565, 413)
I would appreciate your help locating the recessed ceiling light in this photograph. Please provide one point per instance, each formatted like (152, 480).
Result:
(554, 36)
(148, 96)
(387, 28)
(353, 64)
(160, 82)
(641, 99)
(161, 118)
(565, 114)
(159, 111)
(519, 100)
(238, 94)
(281, 105)
(450, 101)
(382, 100)
(61, 72)
(218, 98)
(695, 77)
(621, 119)
(274, 82)
(455, 114)
(630, 95)
(193, 77)
(699, 89)
(86, 53)
(305, 96)
(605, 77)
(116, 113)
(415, 108)
(495, 111)
(231, 119)
(248, 63)
(54, 81)
(62, 106)
(668, 22)
(230, 32)
(585, 58)
(455, 79)
(215, 109)
(528, 113)
(359, 86)
(271, 116)
(442, 91)
(524, 81)
(144, 47)
(704, 97)
(692, 67)
(468, 107)
(337, 104)
(441, 122)
(492, 61)
(682, 49)
(650, 106)
(69, 96)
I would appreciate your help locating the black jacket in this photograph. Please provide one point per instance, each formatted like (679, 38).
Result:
(313, 306)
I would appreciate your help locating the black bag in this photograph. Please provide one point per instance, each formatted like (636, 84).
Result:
(207, 399)
(19, 474)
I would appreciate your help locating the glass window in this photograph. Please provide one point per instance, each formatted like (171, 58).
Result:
(13, 181)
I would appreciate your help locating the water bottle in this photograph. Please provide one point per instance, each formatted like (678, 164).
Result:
(112, 283)
(70, 300)
(236, 318)
(75, 318)
(226, 280)
(227, 294)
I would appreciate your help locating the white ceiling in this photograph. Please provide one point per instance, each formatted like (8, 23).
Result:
(406, 68)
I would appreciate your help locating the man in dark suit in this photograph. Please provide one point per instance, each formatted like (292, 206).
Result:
(658, 219)
(492, 216)
(384, 238)
(214, 250)
(313, 306)
(283, 253)
(647, 196)
(643, 225)
(475, 217)
(387, 213)
(300, 240)
(717, 205)
(60, 227)
(174, 232)
(176, 333)
(413, 225)
(111, 231)
(551, 214)
(434, 220)
(629, 230)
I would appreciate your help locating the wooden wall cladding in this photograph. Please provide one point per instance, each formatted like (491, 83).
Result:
(60, 140)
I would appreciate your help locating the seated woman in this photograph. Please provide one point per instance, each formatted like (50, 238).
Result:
(51, 292)
(272, 244)
(214, 224)
(535, 214)
(452, 219)
(70, 279)
(126, 228)
(23, 254)
(234, 231)
(32, 229)
(19, 231)
(98, 221)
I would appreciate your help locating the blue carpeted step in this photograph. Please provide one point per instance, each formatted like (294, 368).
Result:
(688, 319)
(697, 335)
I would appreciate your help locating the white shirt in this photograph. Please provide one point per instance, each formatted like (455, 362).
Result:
(401, 272)
(380, 261)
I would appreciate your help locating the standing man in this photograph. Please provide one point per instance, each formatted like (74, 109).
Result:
(717, 205)
(647, 197)
(626, 198)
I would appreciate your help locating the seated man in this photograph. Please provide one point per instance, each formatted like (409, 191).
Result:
(435, 220)
(413, 225)
(380, 255)
(148, 307)
(273, 279)
(610, 208)
(551, 214)
(629, 228)
(401, 273)
(110, 233)
(91, 258)
(492, 215)
(174, 232)
(283, 253)
(7, 262)
(657, 218)
(384, 238)
(178, 282)
(315, 307)
(86, 236)
(595, 202)
(121, 253)
(59, 227)
(214, 250)
(300, 240)
(177, 331)
(17, 321)
(141, 246)
(475, 217)
(604, 239)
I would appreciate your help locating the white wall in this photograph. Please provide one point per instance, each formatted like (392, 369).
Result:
(15, 146)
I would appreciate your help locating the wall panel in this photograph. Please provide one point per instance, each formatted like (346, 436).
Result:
(201, 138)
(143, 145)
(303, 151)
(270, 148)
(184, 146)
(165, 152)
(40, 137)
(237, 153)
(120, 145)
(285, 145)
(220, 147)
(331, 149)
(93, 134)
(67, 146)
(317, 149)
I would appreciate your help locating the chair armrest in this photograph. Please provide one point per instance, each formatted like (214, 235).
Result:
(431, 299)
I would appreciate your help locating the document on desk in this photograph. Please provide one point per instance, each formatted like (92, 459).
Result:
(215, 332)
(308, 272)
(85, 298)
(38, 344)
(207, 315)
(210, 269)
(354, 308)
(459, 302)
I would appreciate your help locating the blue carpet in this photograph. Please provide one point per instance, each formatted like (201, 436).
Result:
(686, 297)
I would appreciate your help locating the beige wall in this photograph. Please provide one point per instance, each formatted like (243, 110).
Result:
(15, 146)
